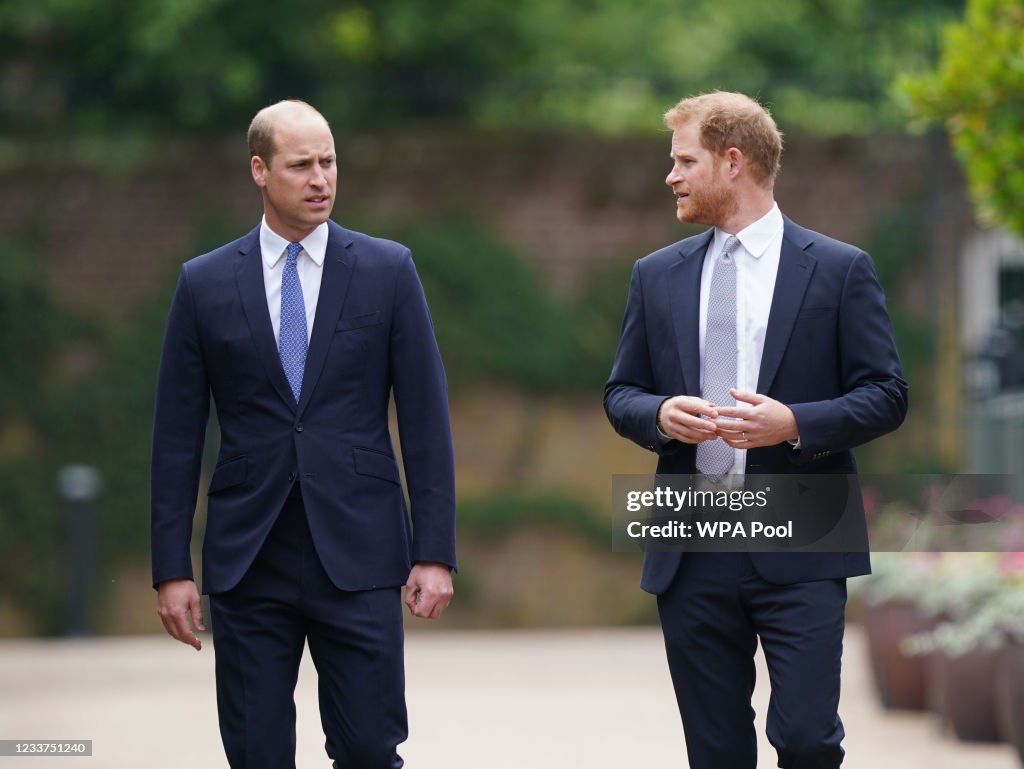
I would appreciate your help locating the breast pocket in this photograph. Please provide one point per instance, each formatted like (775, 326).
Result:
(817, 320)
(365, 320)
(816, 311)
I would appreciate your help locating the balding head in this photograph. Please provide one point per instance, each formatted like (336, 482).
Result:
(298, 189)
(263, 125)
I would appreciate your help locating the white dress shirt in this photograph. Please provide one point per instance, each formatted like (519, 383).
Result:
(757, 265)
(310, 266)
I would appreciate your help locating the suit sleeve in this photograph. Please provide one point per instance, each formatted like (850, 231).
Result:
(631, 400)
(874, 399)
(179, 431)
(421, 402)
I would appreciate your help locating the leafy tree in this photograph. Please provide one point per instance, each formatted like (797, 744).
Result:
(977, 91)
(159, 65)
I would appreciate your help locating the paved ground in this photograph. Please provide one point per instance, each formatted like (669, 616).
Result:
(594, 699)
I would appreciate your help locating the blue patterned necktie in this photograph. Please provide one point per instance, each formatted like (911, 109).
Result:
(716, 458)
(294, 340)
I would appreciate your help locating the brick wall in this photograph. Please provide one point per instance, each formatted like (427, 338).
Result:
(113, 228)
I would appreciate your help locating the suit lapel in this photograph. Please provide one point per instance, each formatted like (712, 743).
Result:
(795, 269)
(338, 263)
(684, 298)
(249, 274)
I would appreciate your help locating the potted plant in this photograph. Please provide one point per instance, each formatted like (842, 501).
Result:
(889, 599)
(1007, 610)
(964, 645)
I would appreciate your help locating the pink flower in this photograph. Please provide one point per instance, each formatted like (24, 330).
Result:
(1011, 563)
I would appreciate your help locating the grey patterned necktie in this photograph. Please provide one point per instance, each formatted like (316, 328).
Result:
(716, 457)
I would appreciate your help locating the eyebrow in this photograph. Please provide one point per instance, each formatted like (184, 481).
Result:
(309, 157)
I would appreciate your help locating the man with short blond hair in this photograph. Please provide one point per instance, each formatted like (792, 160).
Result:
(733, 120)
(757, 347)
(302, 331)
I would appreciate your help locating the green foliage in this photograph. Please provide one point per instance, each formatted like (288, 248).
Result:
(898, 246)
(76, 391)
(35, 418)
(120, 66)
(597, 316)
(485, 302)
(822, 65)
(977, 91)
(494, 321)
(498, 514)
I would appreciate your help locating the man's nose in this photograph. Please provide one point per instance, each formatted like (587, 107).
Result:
(673, 176)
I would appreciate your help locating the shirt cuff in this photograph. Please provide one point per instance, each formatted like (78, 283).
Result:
(662, 437)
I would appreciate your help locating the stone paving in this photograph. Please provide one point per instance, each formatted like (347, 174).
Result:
(593, 698)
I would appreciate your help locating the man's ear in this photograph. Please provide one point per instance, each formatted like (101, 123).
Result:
(259, 171)
(737, 161)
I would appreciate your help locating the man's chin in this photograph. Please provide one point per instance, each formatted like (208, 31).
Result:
(320, 218)
(703, 216)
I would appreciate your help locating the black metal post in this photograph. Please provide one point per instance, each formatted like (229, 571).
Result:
(80, 487)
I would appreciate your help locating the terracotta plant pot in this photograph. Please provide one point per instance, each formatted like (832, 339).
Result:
(901, 681)
(1010, 696)
(968, 696)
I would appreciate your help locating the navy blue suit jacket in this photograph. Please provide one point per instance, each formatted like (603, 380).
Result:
(829, 354)
(372, 337)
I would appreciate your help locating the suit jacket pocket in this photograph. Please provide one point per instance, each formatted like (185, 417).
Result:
(359, 321)
(228, 474)
(375, 463)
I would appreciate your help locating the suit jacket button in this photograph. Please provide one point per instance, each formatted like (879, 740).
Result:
(298, 427)
(291, 477)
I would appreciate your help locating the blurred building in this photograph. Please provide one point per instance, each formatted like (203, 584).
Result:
(992, 333)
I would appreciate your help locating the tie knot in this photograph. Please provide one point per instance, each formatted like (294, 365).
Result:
(731, 244)
(293, 251)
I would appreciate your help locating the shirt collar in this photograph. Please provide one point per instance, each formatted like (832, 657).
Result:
(273, 245)
(755, 238)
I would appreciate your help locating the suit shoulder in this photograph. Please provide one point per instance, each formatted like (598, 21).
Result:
(218, 258)
(672, 253)
(381, 249)
(820, 243)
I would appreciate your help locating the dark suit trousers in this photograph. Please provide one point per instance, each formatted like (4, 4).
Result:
(712, 616)
(260, 628)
